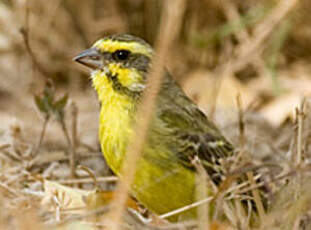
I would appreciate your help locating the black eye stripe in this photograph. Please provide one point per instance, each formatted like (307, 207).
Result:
(137, 61)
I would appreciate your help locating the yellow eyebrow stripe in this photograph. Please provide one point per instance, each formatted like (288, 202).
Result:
(112, 46)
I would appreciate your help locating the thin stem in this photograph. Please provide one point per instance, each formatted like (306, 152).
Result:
(201, 193)
(300, 117)
(72, 152)
(257, 197)
(241, 121)
(42, 134)
(75, 141)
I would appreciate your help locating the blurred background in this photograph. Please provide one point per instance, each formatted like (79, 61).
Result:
(256, 50)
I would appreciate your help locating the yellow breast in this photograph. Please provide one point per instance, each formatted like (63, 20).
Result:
(115, 120)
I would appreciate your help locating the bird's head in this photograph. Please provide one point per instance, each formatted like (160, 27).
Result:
(120, 62)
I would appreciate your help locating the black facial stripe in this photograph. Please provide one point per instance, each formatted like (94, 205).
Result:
(117, 86)
(136, 60)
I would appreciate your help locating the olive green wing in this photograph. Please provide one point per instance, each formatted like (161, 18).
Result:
(188, 133)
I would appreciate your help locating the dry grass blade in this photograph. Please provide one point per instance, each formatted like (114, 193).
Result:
(300, 117)
(91, 174)
(299, 152)
(202, 180)
(8, 189)
(188, 207)
(88, 180)
(241, 122)
(72, 157)
(25, 34)
(4, 146)
(41, 136)
(169, 28)
(250, 174)
(257, 197)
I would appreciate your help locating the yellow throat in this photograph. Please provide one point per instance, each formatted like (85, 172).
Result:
(116, 117)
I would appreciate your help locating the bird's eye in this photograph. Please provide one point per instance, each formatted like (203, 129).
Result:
(121, 55)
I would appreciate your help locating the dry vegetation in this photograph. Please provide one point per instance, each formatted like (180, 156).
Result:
(246, 63)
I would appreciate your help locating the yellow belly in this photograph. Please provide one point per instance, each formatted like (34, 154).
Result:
(163, 191)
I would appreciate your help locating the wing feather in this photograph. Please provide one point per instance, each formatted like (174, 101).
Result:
(187, 133)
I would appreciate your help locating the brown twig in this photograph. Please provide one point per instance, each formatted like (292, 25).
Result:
(71, 149)
(201, 193)
(4, 146)
(42, 134)
(250, 174)
(10, 190)
(91, 174)
(13, 156)
(242, 139)
(241, 121)
(36, 65)
(88, 180)
(300, 118)
(72, 157)
(188, 207)
(257, 197)
(292, 173)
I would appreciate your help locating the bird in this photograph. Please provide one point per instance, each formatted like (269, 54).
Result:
(179, 132)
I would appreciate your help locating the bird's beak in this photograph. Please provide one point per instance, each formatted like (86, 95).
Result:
(90, 58)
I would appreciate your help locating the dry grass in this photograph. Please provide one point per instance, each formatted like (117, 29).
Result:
(217, 49)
